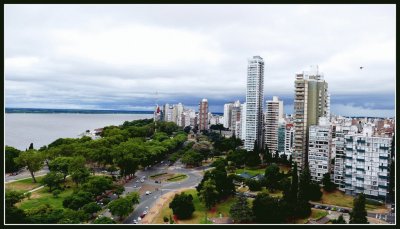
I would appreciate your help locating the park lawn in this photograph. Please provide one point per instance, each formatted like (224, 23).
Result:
(42, 197)
(315, 214)
(251, 171)
(177, 177)
(24, 184)
(199, 213)
(277, 193)
(338, 198)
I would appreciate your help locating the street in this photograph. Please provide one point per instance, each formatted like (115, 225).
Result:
(147, 201)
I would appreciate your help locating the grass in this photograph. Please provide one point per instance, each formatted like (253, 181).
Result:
(255, 171)
(277, 193)
(43, 197)
(199, 213)
(338, 198)
(25, 184)
(315, 214)
(157, 175)
(177, 178)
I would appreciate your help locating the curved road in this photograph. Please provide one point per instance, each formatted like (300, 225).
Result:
(147, 201)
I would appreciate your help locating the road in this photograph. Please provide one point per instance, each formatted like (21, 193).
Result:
(388, 217)
(147, 201)
(25, 174)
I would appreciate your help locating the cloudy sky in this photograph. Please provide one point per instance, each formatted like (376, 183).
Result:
(129, 57)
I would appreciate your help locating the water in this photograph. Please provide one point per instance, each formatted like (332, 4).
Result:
(42, 129)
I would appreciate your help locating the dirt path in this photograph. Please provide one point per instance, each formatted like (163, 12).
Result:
(155, 210)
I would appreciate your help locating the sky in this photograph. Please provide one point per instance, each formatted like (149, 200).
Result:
(130, 57)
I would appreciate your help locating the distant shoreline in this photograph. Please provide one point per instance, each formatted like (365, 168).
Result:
(75, 111)
(71, 111)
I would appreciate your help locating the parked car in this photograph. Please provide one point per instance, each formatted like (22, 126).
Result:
(157, 181)
(345, 210)
(327, 208)
(139, 218)
(142, 180)
(148, 192)
(137, 181)
(142, 215)
(135, 221)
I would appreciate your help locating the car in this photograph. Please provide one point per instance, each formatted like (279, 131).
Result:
(145, 212)
(148, 192)
(157, 181)
(137, 181)
(142, 180)
(134, 186)
(327, 208)
(162, 162)
(139, 218)
(142, 215)
(392, 209)
(135, 221)
(316, 206)
(345, 210)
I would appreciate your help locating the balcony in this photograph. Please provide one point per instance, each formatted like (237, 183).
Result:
(383, 157)
(384, 147)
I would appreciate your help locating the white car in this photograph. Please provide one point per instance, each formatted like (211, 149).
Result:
(135, 221)
(148, 192)
(145, 212)
(142, 180)
(137, 181)
(138, 218)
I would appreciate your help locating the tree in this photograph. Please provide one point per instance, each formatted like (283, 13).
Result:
(53, 180)
(187, 130)
(96, 185)
(209, 194)
(182, 205)
(266, 209)
(192, 157)
(237, 156)
(253, 159)
(339, 220)
(359, 215)
(315, 193)
(32, 160)
(254, 185)
(240, 211)
(104, 220)
(134, 197)
(61, 164)
(12, 197)
(91, 208)
(44, 214)
(119, 189)
(31, 146)
(80, 175)
(73, 217)
(272, 177)
(77, 200)
(292, 199)
(290, 160)
(120, 207)
(329, 186)
(10, 154)
(303, 208)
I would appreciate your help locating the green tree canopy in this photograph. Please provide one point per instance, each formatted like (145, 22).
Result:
(120, 207)
(209, 194)
(182, 205)
(240, 211)
(10, 154)
(53, 179)
(32, 159)
(359, 215)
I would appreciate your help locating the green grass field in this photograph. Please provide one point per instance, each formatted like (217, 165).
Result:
(178, 177)
(42, 197)
(315, 214)
(338, 198)
(24, 184)
(199, 213)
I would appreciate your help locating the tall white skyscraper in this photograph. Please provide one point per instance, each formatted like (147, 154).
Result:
(243, 121)
(274, 112)
(254, 102)
(227, 114)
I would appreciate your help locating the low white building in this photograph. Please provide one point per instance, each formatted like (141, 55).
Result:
(367, 165)
(319, 150)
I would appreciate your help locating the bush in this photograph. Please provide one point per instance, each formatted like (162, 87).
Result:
(56, 193)
(182, 205)
(165, 219)
(253, 185)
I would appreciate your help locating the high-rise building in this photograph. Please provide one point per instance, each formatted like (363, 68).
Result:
(338, 148)
(311, 102)
(168, 113)
(281, 135)
(178, 114)
(319, 150)
(254, 102)
(235, 117)
(228, 115)
(367, 165)
(289, 139)
(274, 112)
(243, 121)
(203, 115)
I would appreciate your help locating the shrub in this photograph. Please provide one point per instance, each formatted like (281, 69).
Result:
(56, 193)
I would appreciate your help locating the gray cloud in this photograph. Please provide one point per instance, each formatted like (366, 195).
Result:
(114, 56)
